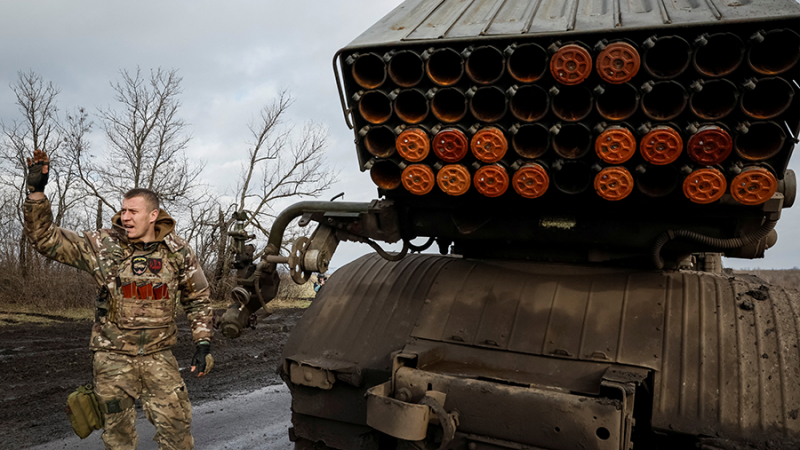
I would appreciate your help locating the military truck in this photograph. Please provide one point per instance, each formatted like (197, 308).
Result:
(581, 166)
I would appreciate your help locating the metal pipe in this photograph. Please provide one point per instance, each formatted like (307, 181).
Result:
(485, 65)
(572, 140)
(759, 141)
(616, 101)
(379, 140)
(666, 57)
(444, 66)
(406, 68)
(529, 103)
(663, 100)
(657, 181)
(774, 52)
(411, 106)
(766, 98)
(571, 103)
(386, 174)
(714, 99)
(298, 209)
(374, 106)
(719, 54)
(368, 69)
(531, 140)
(449, 105)
(572, 177)
(488, 104)
(526, 63)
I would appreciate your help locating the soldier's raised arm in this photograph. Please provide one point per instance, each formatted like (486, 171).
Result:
(56, 243)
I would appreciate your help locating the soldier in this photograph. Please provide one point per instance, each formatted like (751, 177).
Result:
(143, 270)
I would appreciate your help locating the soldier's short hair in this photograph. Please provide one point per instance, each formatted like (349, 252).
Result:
(150, 197)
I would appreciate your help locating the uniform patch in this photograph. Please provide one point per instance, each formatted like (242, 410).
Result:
(139, 264)
(154, 264)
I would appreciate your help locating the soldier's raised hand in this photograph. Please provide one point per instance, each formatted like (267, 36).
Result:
(38, 171)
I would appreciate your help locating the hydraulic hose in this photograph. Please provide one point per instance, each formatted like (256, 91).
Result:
(669, 235)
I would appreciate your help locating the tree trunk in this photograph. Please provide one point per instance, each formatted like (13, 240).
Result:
(99, 214)
(222, 245)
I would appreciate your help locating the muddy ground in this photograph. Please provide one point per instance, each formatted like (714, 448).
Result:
(40, 364)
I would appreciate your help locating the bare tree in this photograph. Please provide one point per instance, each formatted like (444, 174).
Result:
(146, 142)
(282, 163)
(38, 129)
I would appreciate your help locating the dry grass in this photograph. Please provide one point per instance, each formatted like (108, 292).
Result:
(787, 278)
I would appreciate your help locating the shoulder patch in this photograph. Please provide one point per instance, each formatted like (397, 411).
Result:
(138, 265)
(154, 265)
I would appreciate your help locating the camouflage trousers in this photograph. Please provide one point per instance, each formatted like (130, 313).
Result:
(156, 380)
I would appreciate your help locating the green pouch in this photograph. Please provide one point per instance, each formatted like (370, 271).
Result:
(83, 411)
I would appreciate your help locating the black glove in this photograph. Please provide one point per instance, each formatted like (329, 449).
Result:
(202, 359)
(36, 179)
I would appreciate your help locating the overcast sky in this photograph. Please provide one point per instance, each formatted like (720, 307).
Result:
(234, 56)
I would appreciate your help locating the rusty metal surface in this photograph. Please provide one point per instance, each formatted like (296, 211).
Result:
(415, 20)
(723, 351)
(731, 364)
(573, 312)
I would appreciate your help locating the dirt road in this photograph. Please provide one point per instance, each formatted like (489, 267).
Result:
(42, 364)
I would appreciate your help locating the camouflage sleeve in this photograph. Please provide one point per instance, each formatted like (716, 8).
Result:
(56, 243)
(195, 298)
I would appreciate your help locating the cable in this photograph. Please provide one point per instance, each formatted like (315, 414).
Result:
(709, 241)
(422, 247)
(386, 256)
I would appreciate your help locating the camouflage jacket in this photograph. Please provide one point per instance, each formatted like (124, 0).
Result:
(145, 281)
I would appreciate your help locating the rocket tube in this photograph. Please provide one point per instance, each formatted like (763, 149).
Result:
(571, 103)
(571, 64)
(491, 181)
(714, 99)
(704, 186)
(666, 57)
(530, 140)
(418, 179)
(450, 145)
(753, 186)
(444, 66)
(710, 145)
(618, 62)
(526, 63)
(449, 105)
(489, 144)
(488, 104)
(616, 101)
(657, 181)
(766, 98)
(661, 146)
(368, 69)
(485, 65)
(454, 179)
(406, 68)
(572, 140)
(531, 180)
(613, 183)
(413, 144)
(571, 177)
(529, 103)
(615, 145)
(717, 55)
(663, 100)
(375, 107)
(411, 106)
(380, 141)
(774, 52)
(386, 174)
(759, 141)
